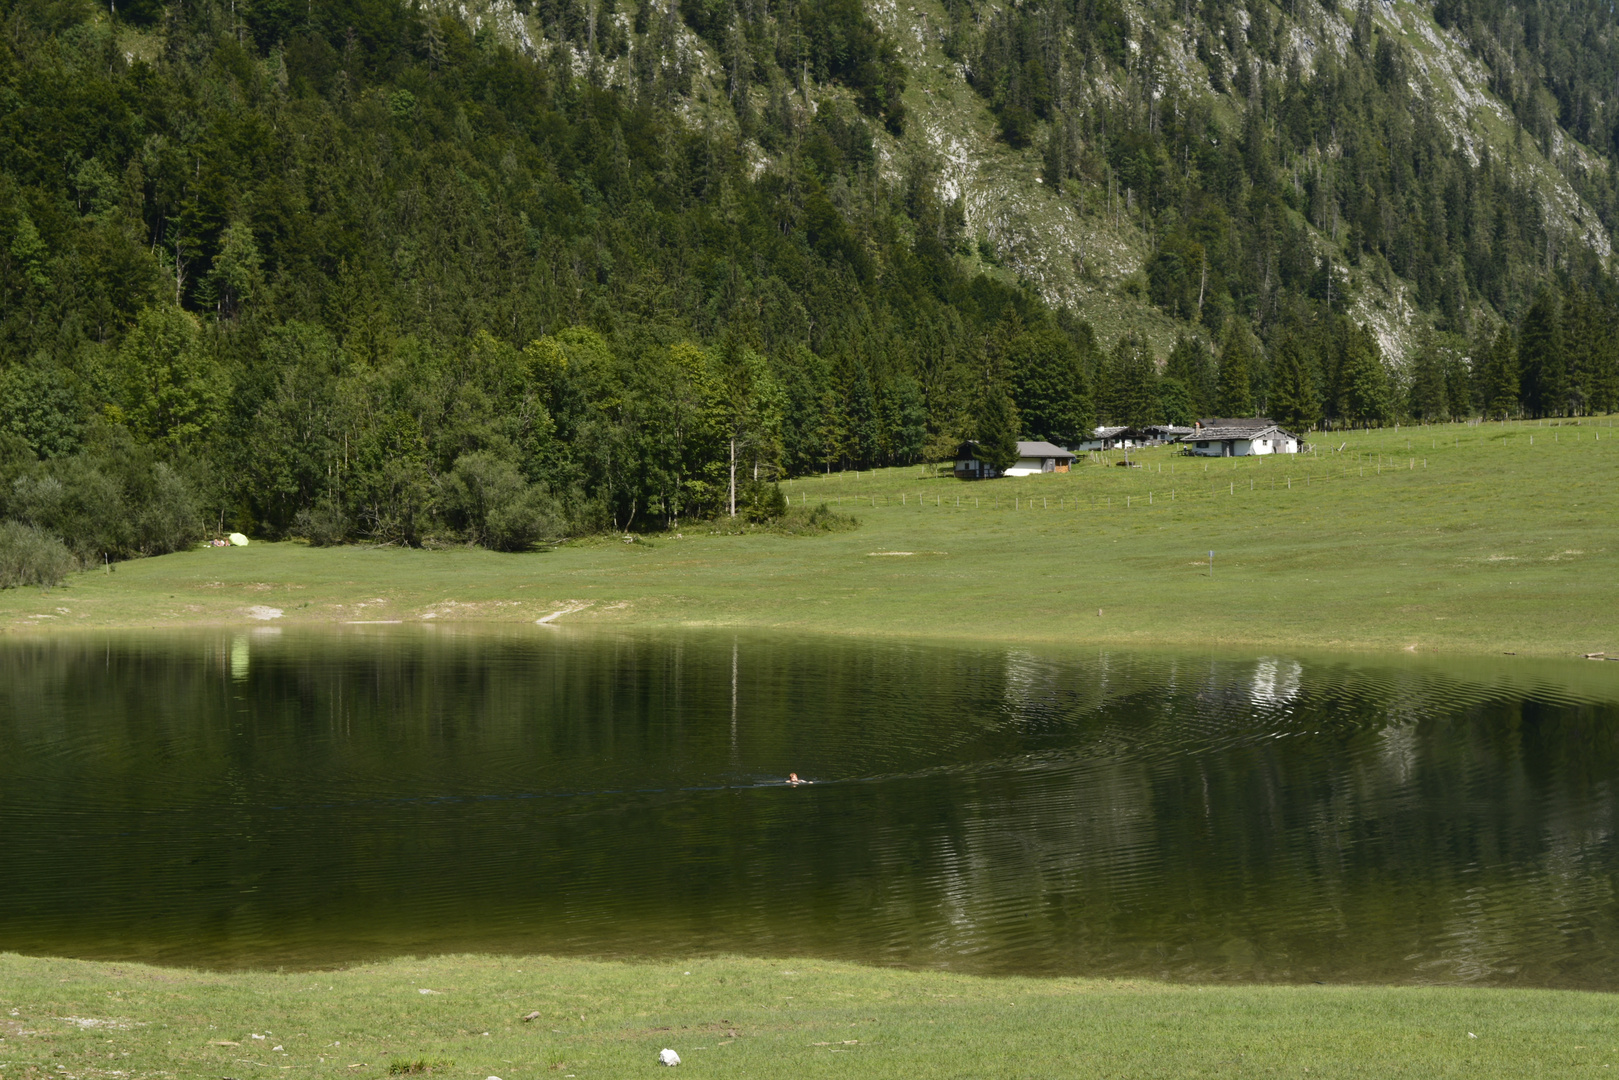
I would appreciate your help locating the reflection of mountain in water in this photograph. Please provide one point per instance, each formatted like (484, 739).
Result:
(306, 799)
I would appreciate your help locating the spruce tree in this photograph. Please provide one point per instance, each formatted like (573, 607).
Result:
(1130, 385)
(997, 425)
(1364, 380)
(1234, 392)
(1542, 365)
(1429, 396)
(1050, 387)
(1174, 403)
(1582, 342)
(1501, 378)
(1294, 402)
(1605, 374)
(1190, 363)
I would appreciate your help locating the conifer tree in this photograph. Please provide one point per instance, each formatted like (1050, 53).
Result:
(1542, 365)
(1051, 389)
(1174, 403)
(1500, 376)
(997, 424)
(1429, 395)
(1364, 380)
(1582, 342)
(1190, 363)
(1130, 391)
(1294, 402)
(1234, 393)
(1605, 373)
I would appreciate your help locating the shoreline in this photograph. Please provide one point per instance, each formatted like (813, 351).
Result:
(518, 1016)
(1362, 649)
(181, 592)
(1477, 546)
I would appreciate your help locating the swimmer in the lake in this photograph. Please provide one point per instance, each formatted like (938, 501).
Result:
(792, 778)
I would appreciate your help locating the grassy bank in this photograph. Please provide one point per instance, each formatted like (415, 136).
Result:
(761, 1018)
(1482, 539)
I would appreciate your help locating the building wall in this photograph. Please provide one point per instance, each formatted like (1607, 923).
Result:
(1245, 447)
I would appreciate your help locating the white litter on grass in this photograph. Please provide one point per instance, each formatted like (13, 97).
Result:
(667, 1056)
(1470, 1035)
(425, 990)
(262, 613)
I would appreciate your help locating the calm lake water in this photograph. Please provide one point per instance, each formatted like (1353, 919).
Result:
(232, 799)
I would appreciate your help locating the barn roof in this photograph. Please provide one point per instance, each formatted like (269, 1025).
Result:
(1041, 450)
(1236, 430)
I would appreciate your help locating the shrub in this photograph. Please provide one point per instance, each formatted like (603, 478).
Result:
(74, 499)
(762, 502)
(324, 524)
(31, 556)
(487, 498)
(167, 518)
(798, 521)
(528, 519)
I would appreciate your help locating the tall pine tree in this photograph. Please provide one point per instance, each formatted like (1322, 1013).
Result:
(1130, 383)
(1190, 363)
(1542, 365)
(1500, 377)
(1294, 402)
(997, 427)
(1363, 380)
(1234, 390)
(1429, 396)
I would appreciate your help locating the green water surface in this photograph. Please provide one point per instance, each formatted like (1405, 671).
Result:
(263, 798)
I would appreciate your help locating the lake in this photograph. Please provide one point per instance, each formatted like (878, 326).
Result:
(262, 798)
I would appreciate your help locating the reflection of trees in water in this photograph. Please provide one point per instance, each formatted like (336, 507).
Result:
(999, 809)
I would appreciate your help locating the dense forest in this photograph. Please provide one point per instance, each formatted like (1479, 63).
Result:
(361, 270)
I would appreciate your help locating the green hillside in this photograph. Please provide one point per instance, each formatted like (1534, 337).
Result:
(508, 273)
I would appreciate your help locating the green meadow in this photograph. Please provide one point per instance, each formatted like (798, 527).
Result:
(763, 1018)
(1485, 538)
(1457, 539)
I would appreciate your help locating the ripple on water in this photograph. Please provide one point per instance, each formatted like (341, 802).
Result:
(229, 800)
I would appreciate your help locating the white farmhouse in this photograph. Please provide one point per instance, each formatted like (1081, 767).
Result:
(1239, 438)
(1032, 458)
(1107, 438)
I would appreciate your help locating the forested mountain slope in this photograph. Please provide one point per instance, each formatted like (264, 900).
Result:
(501, 273)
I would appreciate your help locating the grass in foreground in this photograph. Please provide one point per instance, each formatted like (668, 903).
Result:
(764, 1018)
(1459, 538)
